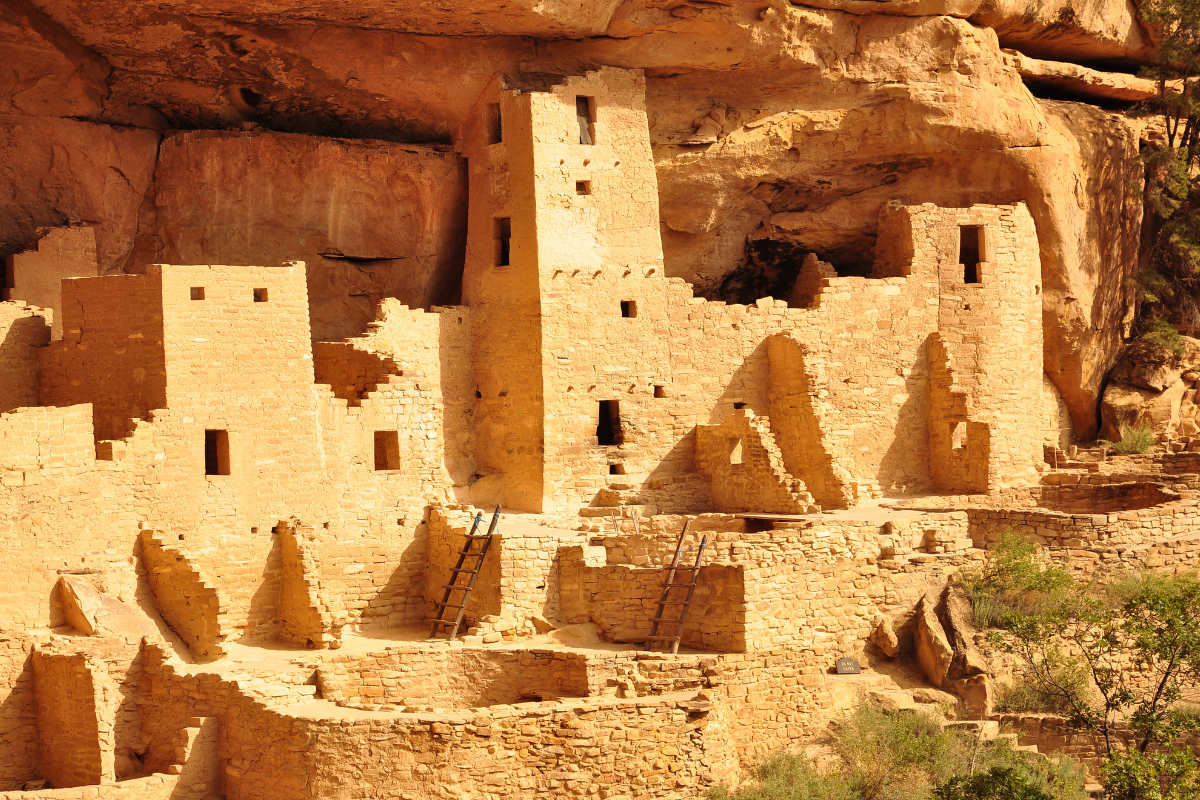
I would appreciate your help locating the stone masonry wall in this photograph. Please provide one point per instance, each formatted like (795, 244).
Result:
(111, 354)
(460, 678)
(35, 276)
(746, 467)
(70, 718)
(23, 330)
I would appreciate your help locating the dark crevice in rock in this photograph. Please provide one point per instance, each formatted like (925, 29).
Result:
(1048, 91)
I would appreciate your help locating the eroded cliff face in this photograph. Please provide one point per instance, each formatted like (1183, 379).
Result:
(803, 119)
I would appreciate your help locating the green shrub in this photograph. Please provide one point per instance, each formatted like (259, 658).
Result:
(1029, 698)
(998, 783)
(904, 756)
(788, 776)
(1135, 439)
(1162, 333)
(897, 756)
(1172, 774)
(1014, 582)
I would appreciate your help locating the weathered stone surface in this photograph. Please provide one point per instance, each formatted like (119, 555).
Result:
(1083, 80)
(977, 694)
(370, 219)
(934, 653)
(1147, 385)
(92, 613)
(885, 637)
(81, 604)
(46, 72)
(957, 622)
(53, 170)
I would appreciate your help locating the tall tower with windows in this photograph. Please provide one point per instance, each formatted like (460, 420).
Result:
(564, 275)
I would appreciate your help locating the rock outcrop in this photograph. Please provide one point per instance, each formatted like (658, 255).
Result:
(1155, 385)
(933, 649)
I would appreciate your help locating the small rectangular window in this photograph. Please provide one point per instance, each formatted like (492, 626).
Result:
(503, 234)
(968, 252)
(608, 426)
(660, 392)
(958, 435)
(216, 452)
(583, 187)
(491, 123)
(585, 115)
(260, 295)
(197, 292)
(628, 308)
(616, 469)
(387, 450)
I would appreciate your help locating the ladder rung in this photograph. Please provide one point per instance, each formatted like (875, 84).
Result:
(460, 586)
(674, 602)
(460, 569)
(444, 606)
(660, 638)
(443, 622)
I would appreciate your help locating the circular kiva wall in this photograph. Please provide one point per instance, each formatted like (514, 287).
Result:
(454, 679)
(1087, 498)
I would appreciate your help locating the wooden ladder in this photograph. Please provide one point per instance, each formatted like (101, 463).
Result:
(476, 565)
(665, 600)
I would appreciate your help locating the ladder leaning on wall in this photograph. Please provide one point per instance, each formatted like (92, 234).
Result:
(470, 563)
(665, 601)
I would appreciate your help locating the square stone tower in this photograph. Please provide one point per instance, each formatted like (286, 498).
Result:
(564, 275)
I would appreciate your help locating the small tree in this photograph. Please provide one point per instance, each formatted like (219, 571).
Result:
(1120, 665)
(1170, 280)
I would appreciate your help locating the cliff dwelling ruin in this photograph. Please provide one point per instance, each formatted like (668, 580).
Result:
(745, 372)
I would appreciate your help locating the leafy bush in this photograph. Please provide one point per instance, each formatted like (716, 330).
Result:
(893, 755)
(998, 783)
(908, 756)
(1172, 774)
(1030, 698)
(1135, 439)
(1162, 333)
(789, 776)
(1014, 582)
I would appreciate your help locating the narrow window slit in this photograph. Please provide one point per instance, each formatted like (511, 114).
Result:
(216, 452)
(387, 450)
(608, 426)
(968, 252)
(503, 236)
(585, 115)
